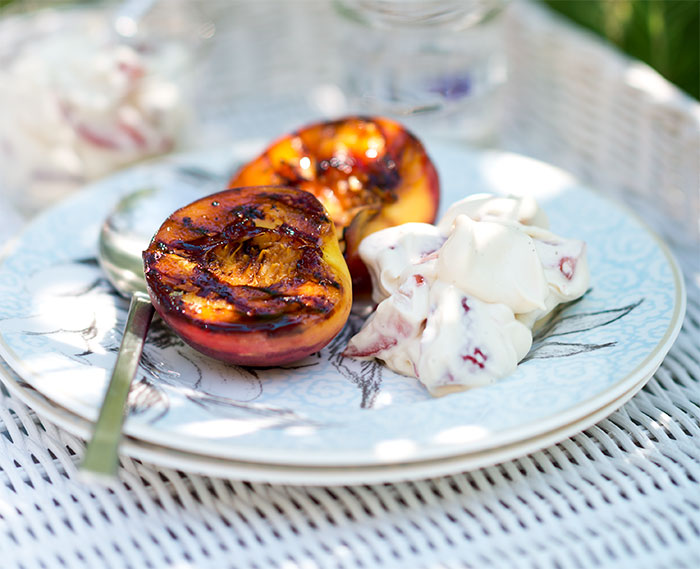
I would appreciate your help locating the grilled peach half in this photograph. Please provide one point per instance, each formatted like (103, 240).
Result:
(369, 173)
(251, 276)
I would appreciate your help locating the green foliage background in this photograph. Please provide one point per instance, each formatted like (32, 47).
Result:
(663, 33)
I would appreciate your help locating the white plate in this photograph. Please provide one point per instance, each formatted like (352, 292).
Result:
(60, 326)
(305, 475)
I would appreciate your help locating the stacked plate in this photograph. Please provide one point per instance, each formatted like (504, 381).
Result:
(329, 419)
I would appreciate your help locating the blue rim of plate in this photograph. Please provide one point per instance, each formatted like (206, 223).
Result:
(308, 475)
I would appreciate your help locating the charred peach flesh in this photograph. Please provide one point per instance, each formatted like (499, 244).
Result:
(252, 276)
(369, 173)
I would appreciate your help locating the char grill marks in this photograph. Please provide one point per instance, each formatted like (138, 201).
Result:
(261, 266)
(375, 179)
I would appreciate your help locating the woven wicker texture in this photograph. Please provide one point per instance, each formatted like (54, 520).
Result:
(623, 494)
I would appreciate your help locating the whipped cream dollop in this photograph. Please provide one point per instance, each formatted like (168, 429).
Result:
(78, 105)
(457, 301)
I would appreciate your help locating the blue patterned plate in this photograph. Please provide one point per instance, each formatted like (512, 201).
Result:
(60, 326)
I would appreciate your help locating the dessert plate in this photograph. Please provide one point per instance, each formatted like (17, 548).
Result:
(60, 326)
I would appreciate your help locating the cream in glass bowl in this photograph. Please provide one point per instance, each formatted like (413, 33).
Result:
(78, 102)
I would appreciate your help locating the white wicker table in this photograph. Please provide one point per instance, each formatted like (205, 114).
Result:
(623, 494)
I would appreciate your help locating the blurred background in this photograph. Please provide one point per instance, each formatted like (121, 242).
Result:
(248, 71)
(663, 33)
